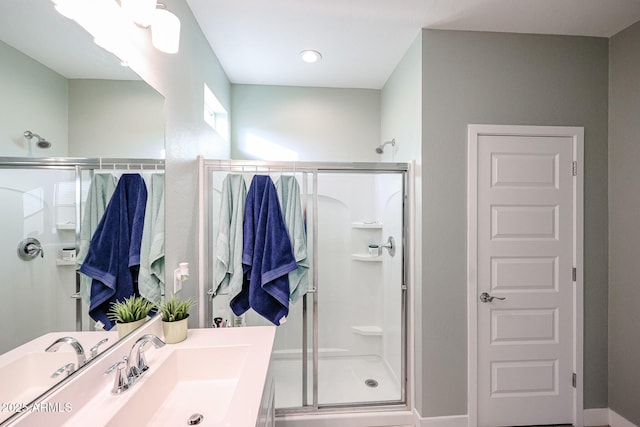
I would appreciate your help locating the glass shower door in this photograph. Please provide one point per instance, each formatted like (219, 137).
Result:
(360, 288)
(343, 343)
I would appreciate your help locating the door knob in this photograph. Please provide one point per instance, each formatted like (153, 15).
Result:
(485, 297)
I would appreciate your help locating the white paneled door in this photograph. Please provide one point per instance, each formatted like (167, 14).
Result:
(522, 278)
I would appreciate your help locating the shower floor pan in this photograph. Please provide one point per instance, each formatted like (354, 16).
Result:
(341, 380)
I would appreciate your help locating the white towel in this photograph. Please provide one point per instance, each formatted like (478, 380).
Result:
(228, 263)
(289, 198)
(151, 276)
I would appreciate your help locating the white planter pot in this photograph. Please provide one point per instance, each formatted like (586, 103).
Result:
(175, 332)
(125, 328)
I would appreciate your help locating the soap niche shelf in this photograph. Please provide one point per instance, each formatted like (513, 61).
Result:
(367, 330)
(367, 225)
(65, 226)
(366, 258)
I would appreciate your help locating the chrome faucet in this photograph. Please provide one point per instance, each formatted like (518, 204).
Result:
(136, 363)
(82, 359)
(133, 366)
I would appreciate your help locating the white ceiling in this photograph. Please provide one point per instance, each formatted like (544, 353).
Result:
(362, 41)
(36, 29)
(258, 41)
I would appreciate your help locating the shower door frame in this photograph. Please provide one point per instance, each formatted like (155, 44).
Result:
(79, 165)
(207, 166)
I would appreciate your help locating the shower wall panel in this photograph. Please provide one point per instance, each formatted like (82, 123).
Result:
(36, 293)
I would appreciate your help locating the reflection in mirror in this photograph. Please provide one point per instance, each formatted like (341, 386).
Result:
(58, 87)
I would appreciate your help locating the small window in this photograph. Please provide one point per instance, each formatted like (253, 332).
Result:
(215, 114)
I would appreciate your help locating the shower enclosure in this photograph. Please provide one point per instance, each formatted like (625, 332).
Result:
(41, 201)
(343, 346)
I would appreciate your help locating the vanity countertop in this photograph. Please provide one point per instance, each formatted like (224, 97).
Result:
(223, 372)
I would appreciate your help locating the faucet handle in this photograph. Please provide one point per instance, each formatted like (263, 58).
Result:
(68, 368)
(142, 362)
(121, 382)
(94, 349)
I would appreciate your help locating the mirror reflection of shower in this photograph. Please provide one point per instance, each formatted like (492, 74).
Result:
(40, 141)
(380, 148)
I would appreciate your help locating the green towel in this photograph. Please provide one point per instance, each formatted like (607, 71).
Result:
(100, 191)
(289, 198)
(151, 276)
(228, 263)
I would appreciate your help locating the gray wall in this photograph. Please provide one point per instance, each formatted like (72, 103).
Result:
(32, 97)
(115, 118)
(516, 79)
(180, 78)
(624, 233)
(401, 104)
(317, 124)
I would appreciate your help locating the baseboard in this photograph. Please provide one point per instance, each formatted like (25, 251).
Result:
(596, 417)
(603, 417)
(592, 418)
(616, 420)
(452, 421)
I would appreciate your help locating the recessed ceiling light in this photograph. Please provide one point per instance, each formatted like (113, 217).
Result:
(310, 56)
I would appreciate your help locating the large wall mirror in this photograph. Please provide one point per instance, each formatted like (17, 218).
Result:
(57, 84)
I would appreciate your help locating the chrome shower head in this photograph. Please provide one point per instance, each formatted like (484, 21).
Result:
(41, 142)
(380, 148)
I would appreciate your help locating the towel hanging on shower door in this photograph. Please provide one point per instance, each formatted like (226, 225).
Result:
(100, 191)
(267, 256)
(113, 259)
(151, 275)
(227, 270)
(289, 198)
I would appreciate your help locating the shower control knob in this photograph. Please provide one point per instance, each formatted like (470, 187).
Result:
(30, 248)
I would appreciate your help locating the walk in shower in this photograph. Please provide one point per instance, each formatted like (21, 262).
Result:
(344, 344)
(41, 200)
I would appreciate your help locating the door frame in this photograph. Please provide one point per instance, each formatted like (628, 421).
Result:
(577, 135)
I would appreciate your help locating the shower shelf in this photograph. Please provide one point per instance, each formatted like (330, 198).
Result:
(65, 262)
(375, 225)
(366, 258)
(65, 226)
(367, 330)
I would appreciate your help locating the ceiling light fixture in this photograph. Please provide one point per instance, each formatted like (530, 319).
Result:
(165, 30)
(111, 24)
(139, 11)
(310, 56)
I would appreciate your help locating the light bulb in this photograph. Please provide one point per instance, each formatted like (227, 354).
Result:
(310, 56)
(165, 31)
(139, 11)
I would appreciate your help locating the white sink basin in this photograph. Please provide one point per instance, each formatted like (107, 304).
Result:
(29, 376)
(190, 381)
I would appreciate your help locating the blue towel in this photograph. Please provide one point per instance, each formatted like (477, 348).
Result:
(267, 257)
(113, 258)
(100, 192)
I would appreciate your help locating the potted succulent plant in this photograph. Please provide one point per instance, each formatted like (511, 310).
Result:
(129, 313)
(175, 315)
